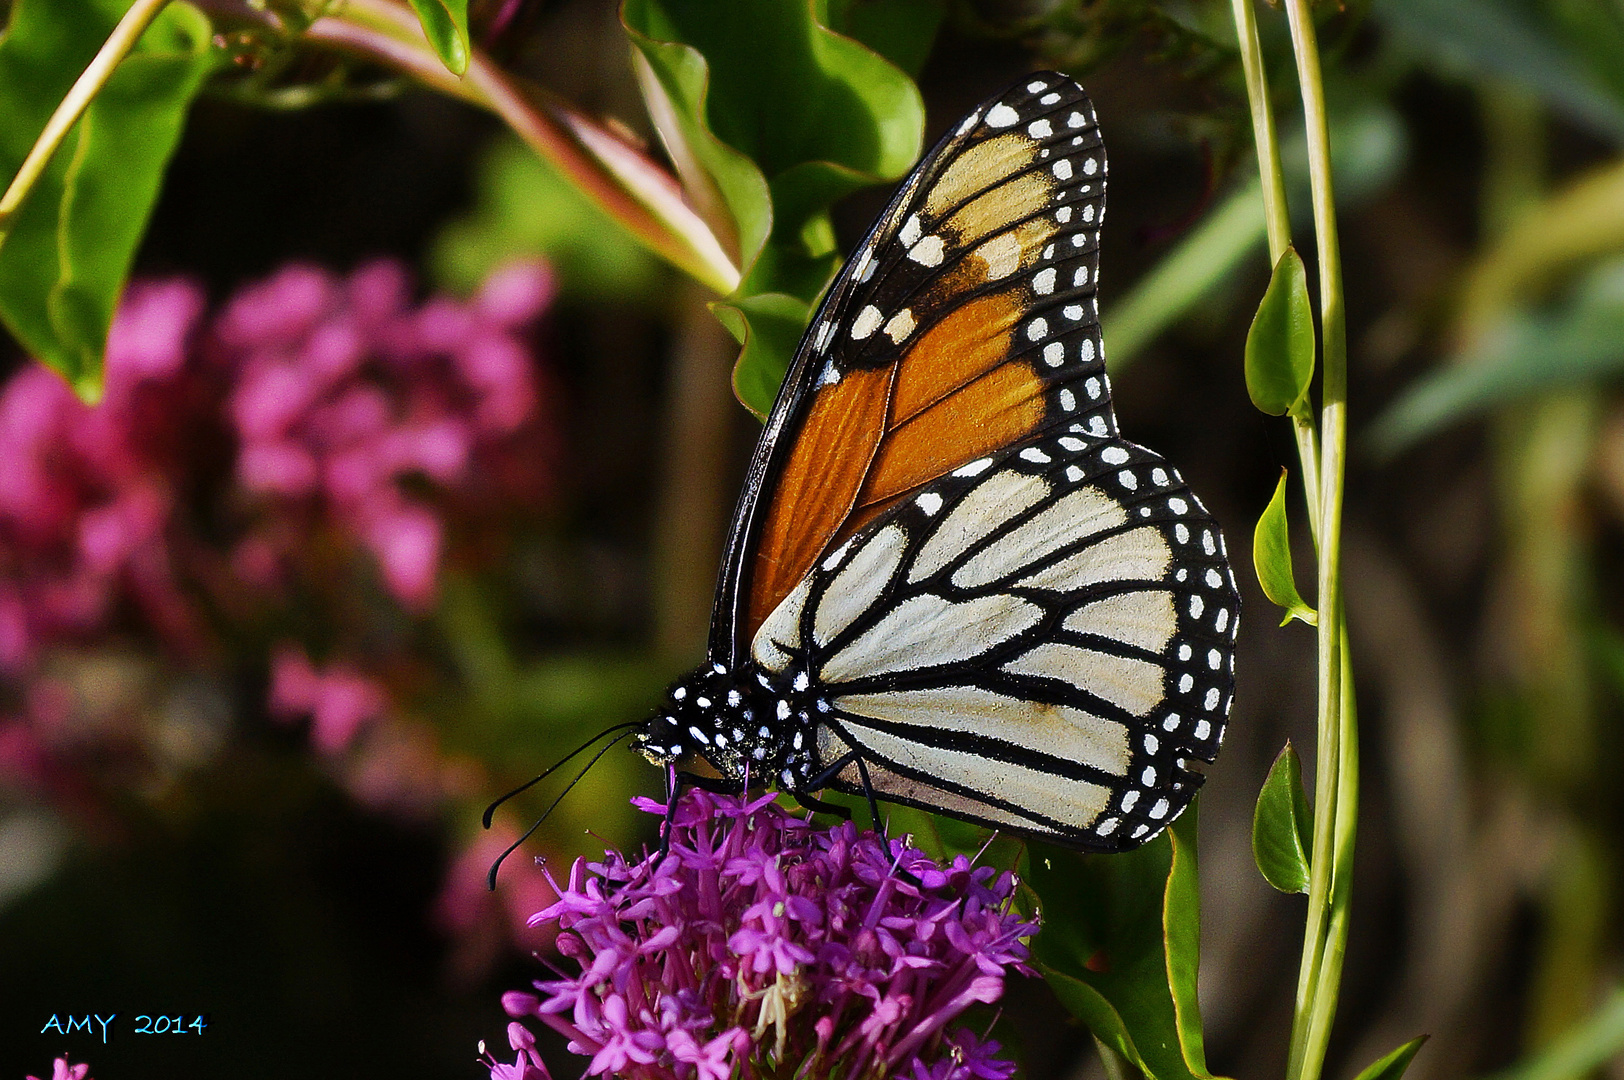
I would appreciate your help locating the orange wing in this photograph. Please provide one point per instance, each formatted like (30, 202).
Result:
(965, 322)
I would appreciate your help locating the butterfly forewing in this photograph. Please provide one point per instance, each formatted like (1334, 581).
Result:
(1040, 640)
(964, 323)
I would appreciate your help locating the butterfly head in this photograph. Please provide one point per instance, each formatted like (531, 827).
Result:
(747, 723)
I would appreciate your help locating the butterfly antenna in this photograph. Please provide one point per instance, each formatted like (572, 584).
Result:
(490, 810)
(490, 879)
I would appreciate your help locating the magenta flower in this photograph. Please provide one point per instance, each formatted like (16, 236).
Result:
(766, 946)
(61, 1070)
(344, 391)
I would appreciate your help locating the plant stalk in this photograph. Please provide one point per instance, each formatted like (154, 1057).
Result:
(622, 181)
(1336, 780)
(84, 90)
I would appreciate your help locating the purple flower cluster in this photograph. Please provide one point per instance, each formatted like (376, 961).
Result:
(766, 946)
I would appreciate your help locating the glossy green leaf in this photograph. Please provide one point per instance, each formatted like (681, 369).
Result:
(523, 207)
(1280, 345)
(65, 260)
(770, 116)
(902, 31)
(1271, 557)
(1391, 1066)
(1120, 946)
(445, 24)
(767, 326)
(1283, 826)
(1577, 342)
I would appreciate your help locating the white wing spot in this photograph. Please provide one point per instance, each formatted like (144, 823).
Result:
(1182, 531)
(1039, 129)
(1197, 606)
(1184, 651)
(910, 231)
(1063, 214)
(1048, 99)
(1062, 169)
(1221, 621)
(1090, 166)
(1139, 831)
(928, 252)
(825, 330)
(1054, 354)
(1212, 699)
(1206, 543)
(1213, 580)
(1127, 480)
(1159, 477)
(1159, 811)
(1186, 683)
(1088, 212)
(900, 326)
(1043, 281)
(1108, 826)
(1076, 120)
(1074, 474)
(1037, 329)
(975, 468)
(1093, 388)
(868, 320)
(1113, 455)
(1073, 312)
(969, 122)
(1171, 723)
(1034, 455)
(1214, 659)
(1130, 799)
(1178, 505)
(1068, 401)
(1096, 424)
(1072, 444)
(830, 376)
(1036, 86)
(1202, 730)
(1001, 116)
(929, 502)
(865, 264)
(1080, 278)
(1148, 777)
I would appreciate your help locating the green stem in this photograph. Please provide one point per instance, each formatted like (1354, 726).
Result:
(628, 186)
(1276, 213)
(78, 99)
(1336, 780)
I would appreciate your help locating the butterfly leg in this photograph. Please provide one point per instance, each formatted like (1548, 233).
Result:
(820, 807)
(852, 756)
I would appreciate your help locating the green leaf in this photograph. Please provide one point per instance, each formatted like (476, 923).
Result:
(445, 24)
(902, 31)
(71, 244)
(1579, 342)
(1280, 344)
(1271, 557)
(770, 116)
(523, 207)
(1120, 946)
(1392, 1066)
(768, 326)
(1283, 826)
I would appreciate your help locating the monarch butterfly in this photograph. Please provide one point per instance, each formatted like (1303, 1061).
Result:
(949, 582)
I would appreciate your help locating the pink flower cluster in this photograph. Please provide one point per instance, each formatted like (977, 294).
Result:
(86, 494)
(344, 391)
(764, 946)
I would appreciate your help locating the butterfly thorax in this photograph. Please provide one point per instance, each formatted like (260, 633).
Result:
(753, 726)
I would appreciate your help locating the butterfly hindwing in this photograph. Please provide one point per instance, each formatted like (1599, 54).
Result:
(1040, 640)
(964, 323)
